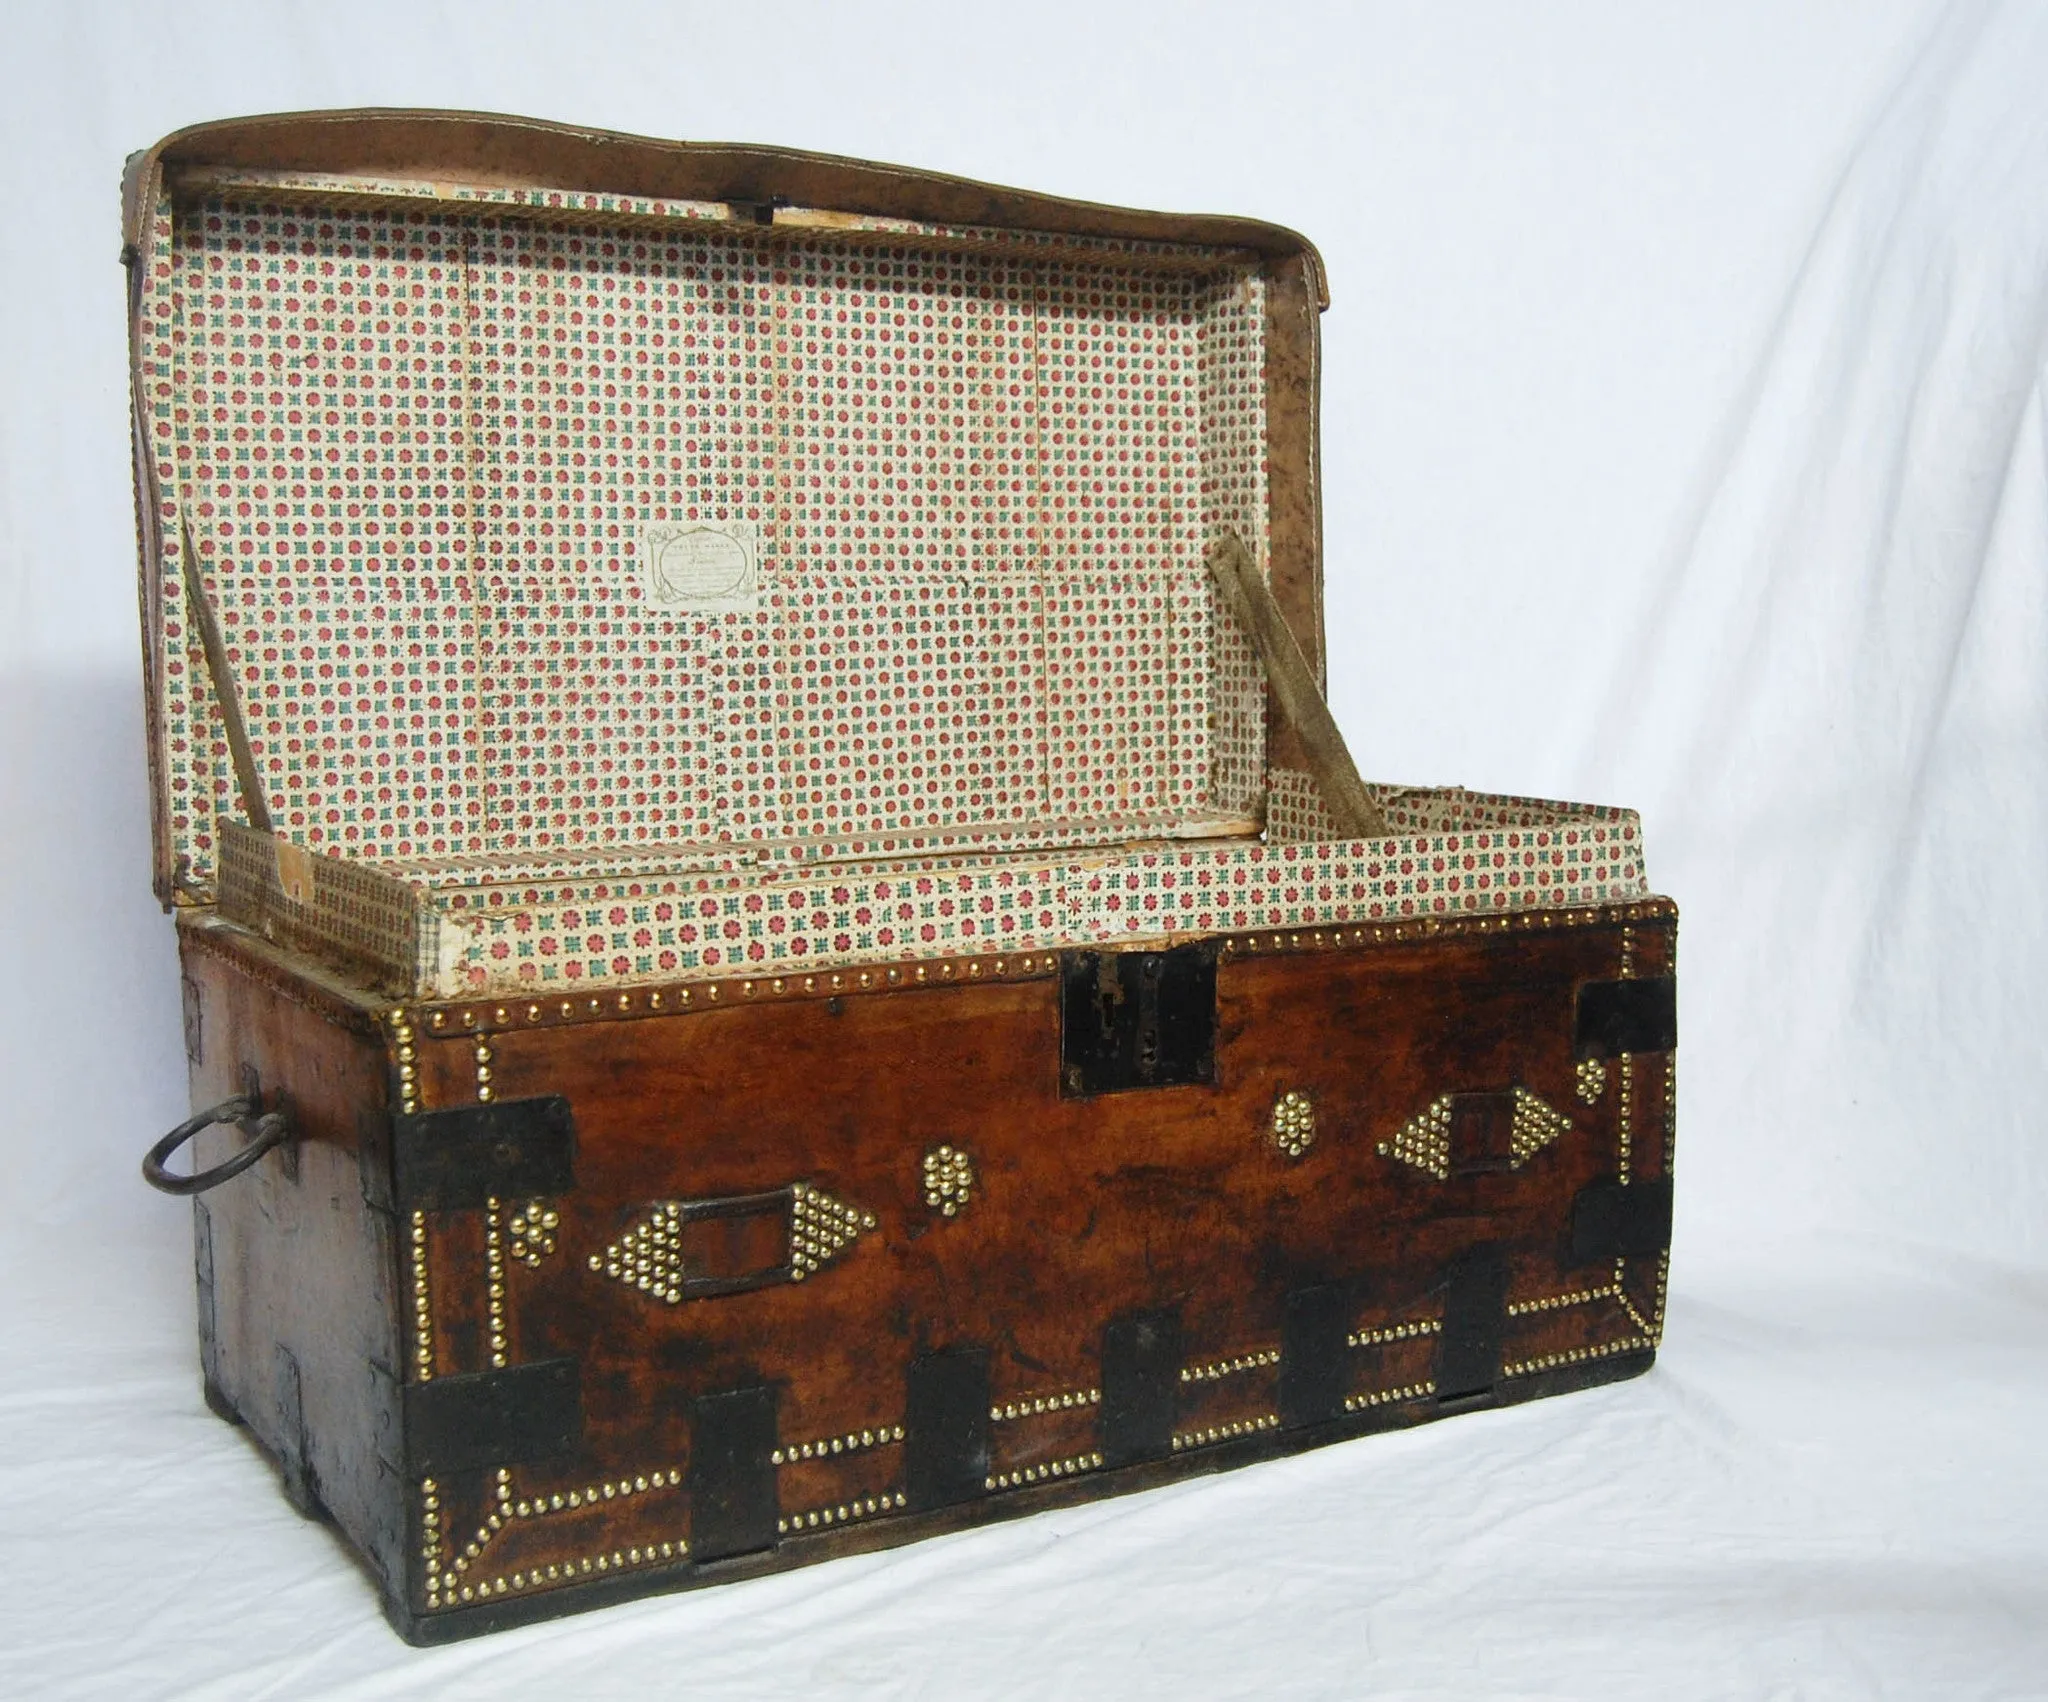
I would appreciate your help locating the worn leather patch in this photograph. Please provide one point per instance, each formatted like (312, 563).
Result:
(733, 1500)
(461, 1158)
(1614, 1017)
(1141, 1360)
(1475, 1313)
(1616, 1220)
(945, 1427)
(493, 1418)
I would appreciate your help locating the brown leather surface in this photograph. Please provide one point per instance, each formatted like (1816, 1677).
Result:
(1165, 1198)
(486, 148)
(1081, 1209)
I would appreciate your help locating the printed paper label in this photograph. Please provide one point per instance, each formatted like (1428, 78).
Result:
(702, 567)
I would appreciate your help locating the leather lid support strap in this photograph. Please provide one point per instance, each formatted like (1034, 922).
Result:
(224, 690)
(1294, 688)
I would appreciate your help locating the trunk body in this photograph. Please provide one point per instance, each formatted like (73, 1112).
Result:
(571, 1301)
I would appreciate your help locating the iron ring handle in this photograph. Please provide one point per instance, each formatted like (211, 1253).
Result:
(269, 1130)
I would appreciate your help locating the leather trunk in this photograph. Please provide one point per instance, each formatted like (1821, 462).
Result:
(738, 750)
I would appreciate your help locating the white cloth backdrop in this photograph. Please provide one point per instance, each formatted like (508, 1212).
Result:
(1686, 448)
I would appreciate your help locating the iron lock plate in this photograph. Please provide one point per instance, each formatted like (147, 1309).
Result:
(1134, 1019)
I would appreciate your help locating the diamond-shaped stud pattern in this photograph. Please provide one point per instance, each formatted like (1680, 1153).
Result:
(948, 1179)
(1294, 1123)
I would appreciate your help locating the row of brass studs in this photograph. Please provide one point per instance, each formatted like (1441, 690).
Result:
(1389, 1397)
(1663, 1280)
(1229, 1367)
(563, 1500)
(1030, 1406)
(673, 998)
(861, 1508)
(1628, 1099)
(484, 1091)
(1224, 1432)
(1670, 1106)
(430, 1533)
(407, 1054)
(1438, 927)
(1627, 1305)
(568, 1571)
(1575, 1356)
(1627, 1132)
(851, 1443)
(1072, 1466)
(422, 1304)
(1396, 1332)
(1557, 1302)
(502, 1488)
(494, 1276)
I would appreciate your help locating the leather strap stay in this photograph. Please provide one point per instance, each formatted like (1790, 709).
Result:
(230, 700)
(1294, 688)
